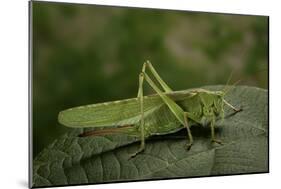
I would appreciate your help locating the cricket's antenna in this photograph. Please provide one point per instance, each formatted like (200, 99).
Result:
(232, 86)
(228, 87)
(228, 80)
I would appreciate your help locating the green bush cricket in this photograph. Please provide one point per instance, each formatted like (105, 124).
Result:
(159, 114)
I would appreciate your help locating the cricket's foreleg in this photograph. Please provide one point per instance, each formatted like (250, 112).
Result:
(232, 107)
(213, 138)
(140, 97)
(188, 146)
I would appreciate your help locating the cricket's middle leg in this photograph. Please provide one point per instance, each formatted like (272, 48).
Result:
(188, 131)
(213, 138)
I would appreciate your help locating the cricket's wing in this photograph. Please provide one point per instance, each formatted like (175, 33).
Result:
(116, 113)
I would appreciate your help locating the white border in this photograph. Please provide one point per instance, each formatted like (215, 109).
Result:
(14, 92)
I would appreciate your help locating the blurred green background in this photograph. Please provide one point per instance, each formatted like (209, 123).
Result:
(84, 54)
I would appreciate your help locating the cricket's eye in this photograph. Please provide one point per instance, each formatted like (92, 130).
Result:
(196, 113)
(220, 93)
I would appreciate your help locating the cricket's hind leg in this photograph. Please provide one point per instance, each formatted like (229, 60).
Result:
(179, 113)
(165, 87)
(140, 97)
(172, 105)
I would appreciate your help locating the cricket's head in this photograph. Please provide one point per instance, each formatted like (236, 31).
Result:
(218, 99)
(213, 104)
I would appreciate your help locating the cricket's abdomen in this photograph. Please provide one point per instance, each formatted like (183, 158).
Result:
(161, 121)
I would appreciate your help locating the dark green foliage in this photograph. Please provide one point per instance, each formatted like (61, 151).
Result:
(74, 160)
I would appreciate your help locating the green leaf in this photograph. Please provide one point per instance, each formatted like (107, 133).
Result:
(74, 160)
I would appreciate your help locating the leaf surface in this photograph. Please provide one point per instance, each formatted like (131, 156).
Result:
(74, 160)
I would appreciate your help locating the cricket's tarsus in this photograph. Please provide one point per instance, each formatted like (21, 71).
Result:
(136, 153)
(217, 141)
(188, 146)
(198, 106)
